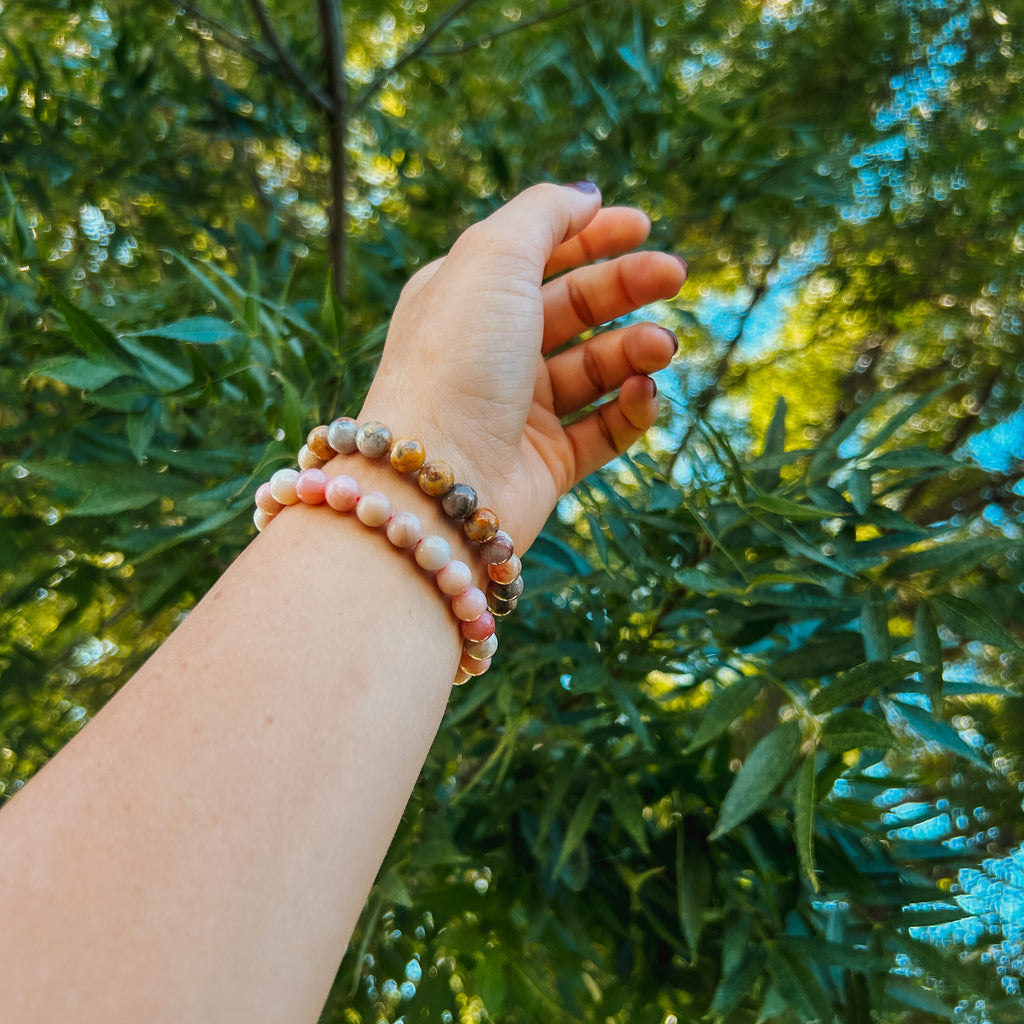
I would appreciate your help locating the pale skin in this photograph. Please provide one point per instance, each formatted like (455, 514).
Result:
(202, 850)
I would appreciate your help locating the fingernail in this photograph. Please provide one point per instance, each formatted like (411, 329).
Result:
(654, 387)
(675, 340)
(583, 186)
(686, 266)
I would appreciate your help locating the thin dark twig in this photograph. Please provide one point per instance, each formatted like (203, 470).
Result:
(333, 28)
(454, 51)
(288, 62)
(226, 34)
(442, 23)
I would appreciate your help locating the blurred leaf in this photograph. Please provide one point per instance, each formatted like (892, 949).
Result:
(629, 809)
(929, 651)
(197, 330)
(859, 682)
(853, 729)
(970, 621)
(723, 709)
(579, 824)
(804, 820)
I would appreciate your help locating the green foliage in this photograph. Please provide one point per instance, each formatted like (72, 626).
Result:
(756, 658)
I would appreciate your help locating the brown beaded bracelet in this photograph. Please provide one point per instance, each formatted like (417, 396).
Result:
(459, 502)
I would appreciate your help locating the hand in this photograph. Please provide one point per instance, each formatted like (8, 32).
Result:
(474, 366)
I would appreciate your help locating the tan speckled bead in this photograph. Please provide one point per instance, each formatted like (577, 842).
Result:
(436, 478)
(481, 526)
(408, 454)
(317, 443)
(373, 440)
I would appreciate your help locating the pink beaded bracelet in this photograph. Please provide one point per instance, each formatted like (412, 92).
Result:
(312, 486)
(345, 436)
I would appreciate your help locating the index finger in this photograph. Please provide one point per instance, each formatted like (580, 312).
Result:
(615, 230)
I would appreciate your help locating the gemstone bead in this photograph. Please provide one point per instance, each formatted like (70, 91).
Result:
(433, 553)
(317, 442)
(470, 604)
(436, 478)
(266, 501)
(282, 486)
(307, 459)
(408, 455)
(373, 440)
(454, 578)
(500, 607)
(461, 678)
(498, 549)
(481, 526)
(374, 509)
(311, 485)
(482, 648)
(261, 517)
(341, 435)
(478, 629)
(506, 572)
(405, 530)
(342, 493)
(459, 501)
(473, 666)
(508, 591)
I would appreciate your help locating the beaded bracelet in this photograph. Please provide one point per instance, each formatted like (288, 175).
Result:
(435, 478)
(312, 486)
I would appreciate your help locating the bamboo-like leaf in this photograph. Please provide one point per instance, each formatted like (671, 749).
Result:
(767, 765)
(196, 330)
(859, 682)
(859, 486)
(723, 710)
(693, 888)
(803, 991)
(854, 729)
(874, 621)
(489, 978)
(88, 334)
(804, 820)
(952, 558)
(628, 809)
(738, 984)
(941, 733)
(970, 621)
(929, 650)
(579, 824)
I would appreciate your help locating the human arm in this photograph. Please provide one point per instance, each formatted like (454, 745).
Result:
(202, 850)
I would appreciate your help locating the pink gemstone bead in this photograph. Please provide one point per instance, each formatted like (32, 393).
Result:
(479, 629)
(454, 578)
(498, 549)
(342, 493)
(506, 572)
(405, 530)
(311, 485)
(461, 678)
(374, 509)
(266, 501)
(470, 604)
(282, 486)
(433, 553)
(482, 649)
(261, 518)
(473, 666)
(308, 460)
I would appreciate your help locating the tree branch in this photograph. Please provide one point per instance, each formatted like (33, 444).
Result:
(287, 61)
(442, 23)
(333, 29)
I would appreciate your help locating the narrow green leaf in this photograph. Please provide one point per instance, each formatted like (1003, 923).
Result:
(804, 820)
(579, 824)
(294, 413)
(628, 809)
(929, 649)
(693, 888)
(854, 729)
(767, 478)
(738, 984)
(859, 487)
(859, 682)
(77, 372)
(907, 413)
(874, 623)
(767, 765)
(789, 509)
(941, 733)
(825, 458)
(723, 709)
(970, 621)
(953, 559)
(489, 978)
(88, 334)
(140, 428)
(196, 330)
(915, 458)
(803, 991)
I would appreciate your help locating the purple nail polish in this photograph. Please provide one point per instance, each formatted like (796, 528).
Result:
(583, 186)
(686, 266)
(654, 387)
(675, 340)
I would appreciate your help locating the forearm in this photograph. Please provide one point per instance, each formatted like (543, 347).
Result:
(202, 850)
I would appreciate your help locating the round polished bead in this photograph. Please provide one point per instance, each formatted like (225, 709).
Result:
(454, 578)
(341, 435)
(461, 678)
(266, 501)
(374, 509)
(505, 572)
(436, 478)
(470, 604)
(500, 607)
(373, 439)
(481, 526)
(405, 530)
(282, 486)
(433, 553)
(459, 501)
(317, 442)
(261, 517)
(508, 591)
(478, 629)
(311, 485)
(342, 493)
(407, 455)
(474, 666)
(498, 549)
(307, 459)
(481, 649)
